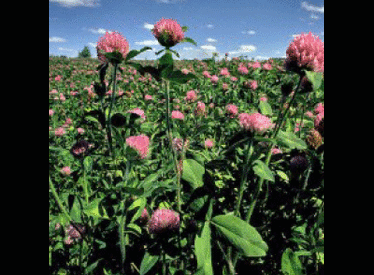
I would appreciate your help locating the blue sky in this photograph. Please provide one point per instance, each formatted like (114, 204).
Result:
(259, 29)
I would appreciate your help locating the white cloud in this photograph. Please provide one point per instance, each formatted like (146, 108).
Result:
(260, 57)
(306, 6)
(148, 26)
(210, 26)
(211, 40)
(250, 32)
(244, 49)
(98, 30)
(55, 39)
(314, 17)
(188, 48)
(208, 48)
(93, 45)
(77, 3)
(67, 50)
(148, 43)
(169, 1)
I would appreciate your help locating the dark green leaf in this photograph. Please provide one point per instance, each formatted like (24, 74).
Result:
(291, 264)
(135, 53)
(193, 173)
(265, 109)
(290, 140)
(189, 40)
(178, 76)
(315, 78)
(263, 171)
(241, 235)
(149, 261)
(203, 251)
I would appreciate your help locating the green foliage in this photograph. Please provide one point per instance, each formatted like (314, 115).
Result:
(242, 208)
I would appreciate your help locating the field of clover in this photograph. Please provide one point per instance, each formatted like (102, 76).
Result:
(186, 167)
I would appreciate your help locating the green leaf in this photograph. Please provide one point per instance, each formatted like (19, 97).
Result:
(189, 40)
(265, 109)
(75, 212)
(179, 77)
(159, 52)
(193, 173)
(241, 235)
(263, 171)
(290, 140)
(114, 57)
(146, 69)
(185, 28)
(149, 261)
(135, 53)
(88, 164)
(315, 78)
(94, 210)
(291, 264)
(203, 251)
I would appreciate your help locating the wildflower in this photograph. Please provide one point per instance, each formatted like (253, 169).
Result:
(209, 144)
(59, 132)
(112, 42)
(314, 139)
(144, 218)
(164, 221)
(276, 151)
(191, 96)
(225, 86)
(80, 149)
(232, 110)
(179, 144)
(264, 99)
(200, 109)
(168, 32)
(267, 67)
(253, 85)
(140, 144)
(214, 79)
(206, 74)
(139, 112)
(320, 108)
(177, 115)
(256, 123)
(66, 171)
(306, 52)
(74, 233)
(148, 97)
(256, 65)
(81, 131)
(225, 72)
(243, 70)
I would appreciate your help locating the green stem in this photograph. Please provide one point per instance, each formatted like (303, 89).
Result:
(168, 111)
(244, 178)
(122, 236)
(113, 96)
(58, 201)
(164, 267)
(85, 183)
